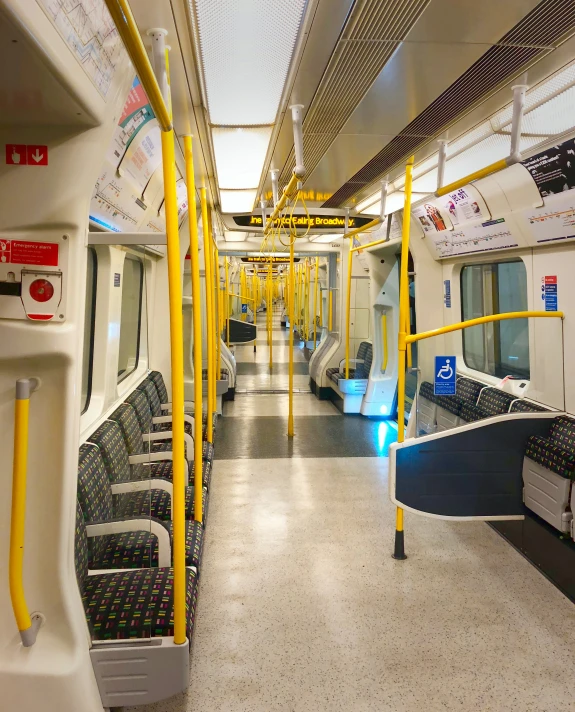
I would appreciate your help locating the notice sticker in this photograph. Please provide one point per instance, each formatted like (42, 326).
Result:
(549, 292)
(25, 252)
(447, 293)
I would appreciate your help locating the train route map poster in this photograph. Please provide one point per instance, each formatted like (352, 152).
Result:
(553, 170)
(90, 33)
(490, 235)
(555, 220)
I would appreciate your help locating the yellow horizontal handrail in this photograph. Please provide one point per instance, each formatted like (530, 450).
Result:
(411, 338)
(359, 230)
(28, 628)
(288, 192)
(239, 296)
(128, 30)
(369, 244)
(476, 175)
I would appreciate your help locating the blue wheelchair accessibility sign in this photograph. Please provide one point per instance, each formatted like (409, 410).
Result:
(444, 381)
(244, 308)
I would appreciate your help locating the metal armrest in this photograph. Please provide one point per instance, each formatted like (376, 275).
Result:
(121, 526)
(169, 435)
(351, 360)
(147, 457)
(168, 419)
(168, 406)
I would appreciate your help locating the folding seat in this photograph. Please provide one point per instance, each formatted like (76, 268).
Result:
(491, 402)
(128, 473)
(548, 468)
(159, 440)
(363, 362)
(126, 529)
(164, 422)
(159, 464)
(426, 408)
(133, 603)
(166, 407)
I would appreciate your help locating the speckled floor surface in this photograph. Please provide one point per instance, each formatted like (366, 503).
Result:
(302, 608)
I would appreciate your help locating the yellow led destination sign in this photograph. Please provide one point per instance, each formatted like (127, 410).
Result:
(304, 222)
(267, 260)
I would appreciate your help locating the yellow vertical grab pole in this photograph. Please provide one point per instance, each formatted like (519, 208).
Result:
(291, 295)
(315, 290)
(329, 309)
(399, 547)
(27, 626)
(209, 314)
(227, 298)
(348, 309)
(177, 367)
(197, 325)
(270, 309)
(219, 313)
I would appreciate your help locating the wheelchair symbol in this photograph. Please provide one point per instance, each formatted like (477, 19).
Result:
(445, 372)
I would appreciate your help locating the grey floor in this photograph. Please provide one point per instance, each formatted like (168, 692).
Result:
(302, 608)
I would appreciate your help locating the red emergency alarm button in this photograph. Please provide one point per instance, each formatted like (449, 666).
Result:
(41, 290)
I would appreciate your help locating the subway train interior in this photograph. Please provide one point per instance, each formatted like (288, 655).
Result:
(287, 390)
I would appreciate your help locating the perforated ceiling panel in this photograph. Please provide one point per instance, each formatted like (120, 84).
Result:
(537, 34)
(246, 48)
(371, 35)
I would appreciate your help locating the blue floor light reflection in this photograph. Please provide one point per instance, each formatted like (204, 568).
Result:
(386, 434)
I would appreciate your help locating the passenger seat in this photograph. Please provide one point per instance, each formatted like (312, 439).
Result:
(130, 604)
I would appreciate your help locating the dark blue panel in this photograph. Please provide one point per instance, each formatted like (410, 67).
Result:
(476, 473)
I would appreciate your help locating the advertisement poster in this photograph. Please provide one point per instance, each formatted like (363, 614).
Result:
(395, 227)
(431, 218)
(553, 170)
(555, 220)
(490, 235)
(464, 205)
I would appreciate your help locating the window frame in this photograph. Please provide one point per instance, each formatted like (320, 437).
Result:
(496, 325)
(140, 262)
(84, 407)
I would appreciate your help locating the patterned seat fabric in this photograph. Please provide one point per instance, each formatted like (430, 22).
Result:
(361, 370)
(165, 471)
(129, 604)
(524, 406)
(158, 380)
(492, 401)
(557, 451)
(98, 504)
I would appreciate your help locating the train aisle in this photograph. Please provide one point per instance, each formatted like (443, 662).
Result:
(302, 608)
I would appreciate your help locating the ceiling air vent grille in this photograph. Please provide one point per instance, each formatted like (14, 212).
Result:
(537, 34)
(371, 34)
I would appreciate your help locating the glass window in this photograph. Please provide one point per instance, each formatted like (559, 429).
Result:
(502, 348)
(132, 287)
(89, 324)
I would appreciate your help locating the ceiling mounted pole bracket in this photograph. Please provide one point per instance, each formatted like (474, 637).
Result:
(275, 185)
(158, 37)
(297, 121)
(442, 159)
(384, 186)
(519, 91)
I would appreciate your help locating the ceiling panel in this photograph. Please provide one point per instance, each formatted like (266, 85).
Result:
(411, 80)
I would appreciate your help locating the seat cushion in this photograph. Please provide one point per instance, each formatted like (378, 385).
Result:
(552, 456)
(135, 604)
(166, 446)
(139, 549)
(165, 471)
(336, 376)
(225, 374)
(494, 401)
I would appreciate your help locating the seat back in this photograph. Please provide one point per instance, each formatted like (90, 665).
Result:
(94, 494)
(151, 393)
(468, 390)
(522, 406)
(495, 402)
(126, 418)
(364, 353)
(110, 441)
(158, 380)
(563, 432)
(139, 402)
(80, 548)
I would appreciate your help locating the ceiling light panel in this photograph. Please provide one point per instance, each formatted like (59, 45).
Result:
(240, 156)
(246, 48)
(237, 201)
(233, 236)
